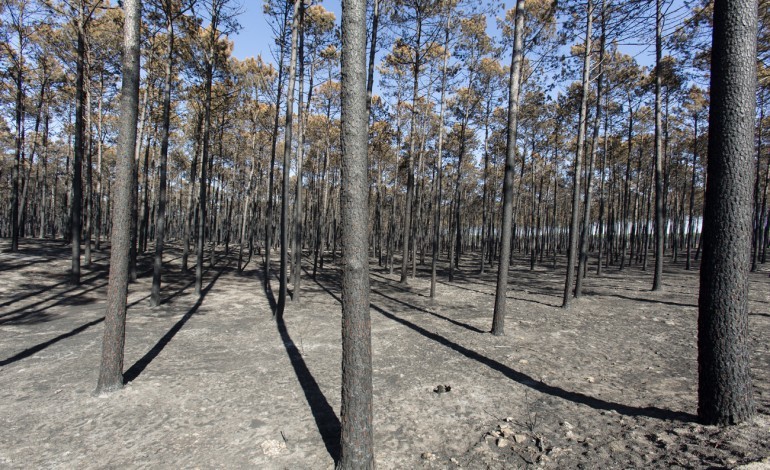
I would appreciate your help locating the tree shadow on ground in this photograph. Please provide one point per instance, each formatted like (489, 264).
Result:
(524, 379)
(29, 314)
(37, 348)
(139, 366)
(325, 418)
(86, 280)
(424, 310)
(638, 299)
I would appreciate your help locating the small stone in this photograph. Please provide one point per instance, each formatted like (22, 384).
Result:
(520, 438)
(617, 446)
(506, 431)
(523, 361)
(590, 380)
(509, 419)
(502, 442)
(439, 389)
(455, 461)
(567, 425)
(662, 440)
(429, 456)
(570, 435)
(273, 447)
(680, 431)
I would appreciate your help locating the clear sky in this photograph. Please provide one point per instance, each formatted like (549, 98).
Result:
(255, 36)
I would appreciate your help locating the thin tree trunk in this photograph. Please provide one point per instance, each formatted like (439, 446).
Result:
(657, 282)
(582, 129)
(283, 280)
(210, 58)
(498, 320)
(439, 165)
(111, 369)
(160, 221)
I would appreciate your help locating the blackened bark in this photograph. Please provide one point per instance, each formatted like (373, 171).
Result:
(691, 220)
(407, 225)
(498, 321)
(582, 129)
(111, 370)
(283, 277)
(660, 229)
(357, 447)
(77, 164)
(210, 62)
(439, 166)
(724, 381)
(298, 225)
(160, 221)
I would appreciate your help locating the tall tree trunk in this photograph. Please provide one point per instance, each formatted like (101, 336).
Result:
(160, 220)
(111, 369)
(297, 242)
(407, 228)
(190, 217)
(439, 158)
(357, 440)
(691, 219)
(587, 222)
(582, 129)
(660, 228)
(756, 238)
(89, 167)
(724, 380)
(19, 141)
(498, 320)
(77, 163)
(99, 145)
(283, 278)
(273, 154)
(210, 60)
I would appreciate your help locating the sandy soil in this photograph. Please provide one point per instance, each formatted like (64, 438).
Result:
(217, 383)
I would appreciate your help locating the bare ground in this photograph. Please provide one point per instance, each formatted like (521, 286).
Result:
(218, 383)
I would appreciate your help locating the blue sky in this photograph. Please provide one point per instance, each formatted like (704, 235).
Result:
(255, 36)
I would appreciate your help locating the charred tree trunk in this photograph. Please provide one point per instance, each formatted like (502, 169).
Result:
(724, 382)
(498, 320)
(111, 369)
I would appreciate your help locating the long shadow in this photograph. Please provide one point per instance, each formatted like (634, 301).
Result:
(20, 314)
(424, 310)
(139, 366)
(526, 380)
(85, 281)
(325, 418)
(269, 294)
(37, 348)
(507, 296)
(637, 299)
(396, 286)
(4, 266)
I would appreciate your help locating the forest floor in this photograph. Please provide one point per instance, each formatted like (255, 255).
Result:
(218, 383)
